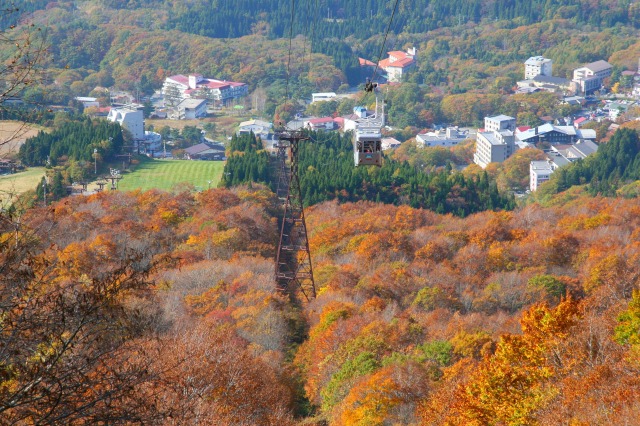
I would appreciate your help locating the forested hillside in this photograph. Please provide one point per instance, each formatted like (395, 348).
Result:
(439, 302)
(470, 53)
(527, 317)
(327, 173)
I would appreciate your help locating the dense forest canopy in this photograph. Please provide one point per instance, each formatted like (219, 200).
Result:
(76, 139)
(135, 44)
(327, 173)
(420, 318)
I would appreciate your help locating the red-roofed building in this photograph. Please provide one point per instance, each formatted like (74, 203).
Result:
(398, 64)
(325, 123)
(366, 63)
(579, 121)
(179, 87)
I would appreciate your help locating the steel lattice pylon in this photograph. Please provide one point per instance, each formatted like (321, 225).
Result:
(293, 261)
(283, 172)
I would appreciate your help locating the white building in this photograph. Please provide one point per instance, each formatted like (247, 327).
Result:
(196, 86)
(398, 64)
(258, 127)
(450, 137)
(537, 65)
(499, 122)
(129, 118)
(261, 129)
(324, 123)
(539, 172)
(190, 109)
(88, 102)
(497, 142)
(390, 143)
(590, 77)
(324, 96)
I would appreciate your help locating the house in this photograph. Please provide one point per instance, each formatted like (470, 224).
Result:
(579, 121)
(179, 87)
(325, 123)
(260, 128)
(590, 77)
(129, 118)
(390, 143)
(100, 112)
(398, 64)
(205, 151)
(616, 109)
(450, 136)
(496, 142)
(190, 109)
(88, 101)
(326, 96)
(7, 166)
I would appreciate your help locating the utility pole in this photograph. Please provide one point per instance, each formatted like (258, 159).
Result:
(95, 161)
(44, 190)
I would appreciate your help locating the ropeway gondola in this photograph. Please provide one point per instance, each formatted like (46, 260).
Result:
(367, 137)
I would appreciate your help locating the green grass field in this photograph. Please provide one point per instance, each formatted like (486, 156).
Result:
(13, 185)
(165, 174)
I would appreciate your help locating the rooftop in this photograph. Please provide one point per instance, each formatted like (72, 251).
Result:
(192, 103)
(586, 134)
(536, 60)
(320, 120)
(557, 159)
(400, 63)
(201, 147)
(366, 63)
(539, 167)
(598, 66)
(501, 117)
(210, 83)
(255, 123)
(491, 138)
(586, 147)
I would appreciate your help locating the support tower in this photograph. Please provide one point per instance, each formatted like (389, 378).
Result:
(293, 261)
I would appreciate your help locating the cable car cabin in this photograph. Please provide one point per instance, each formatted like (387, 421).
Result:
(367, 146)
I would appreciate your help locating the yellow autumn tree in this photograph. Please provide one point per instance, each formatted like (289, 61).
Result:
(370, 401)
(508, 387)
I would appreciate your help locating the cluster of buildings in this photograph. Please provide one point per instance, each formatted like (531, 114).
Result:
(538, 75)
(500, 139)
(190, 95)
(558, 156)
